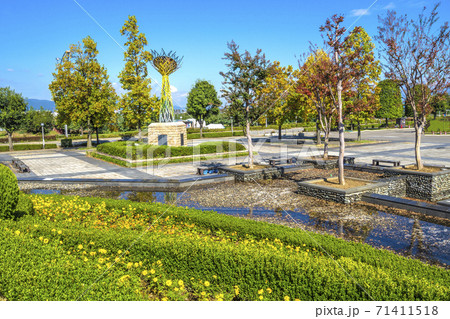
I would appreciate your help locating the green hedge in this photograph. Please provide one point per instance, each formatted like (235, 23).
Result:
(132, 150)
(27, 147)
(28, 139)
(50, 257)
(193, 136)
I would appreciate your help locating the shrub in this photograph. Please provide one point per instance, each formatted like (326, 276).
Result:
(24, 206)
(28, 147)
(142, 151)
(9, 192)
(193, 136)
(67, 142)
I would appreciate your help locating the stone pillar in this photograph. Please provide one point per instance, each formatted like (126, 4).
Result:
(171, 134)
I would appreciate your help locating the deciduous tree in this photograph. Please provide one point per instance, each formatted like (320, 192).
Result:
(350, 62)
(391, 106)
(12, 112)
(202, 102)
(417, 55)
(81, 89)
(245, 75)
(137, 106)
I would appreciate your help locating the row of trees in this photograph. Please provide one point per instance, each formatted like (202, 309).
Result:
(84, 95)
(341, 79)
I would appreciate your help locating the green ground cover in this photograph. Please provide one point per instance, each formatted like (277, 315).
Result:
(99, 249)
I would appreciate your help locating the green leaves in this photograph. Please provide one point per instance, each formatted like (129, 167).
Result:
(202, 101)
(12, 109)
(81, 88)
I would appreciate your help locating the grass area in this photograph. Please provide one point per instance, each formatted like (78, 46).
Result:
(187, 254)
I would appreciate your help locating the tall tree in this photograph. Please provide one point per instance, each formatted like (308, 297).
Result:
(351, 61)
(202, 102)
(417, 53)
(313, 83)
(391, 106)
(246, 74)
(12, 112)
(34, 119)
(364, 101)
(81, 89)
(440, 103)
(137, 105)
(278, 96)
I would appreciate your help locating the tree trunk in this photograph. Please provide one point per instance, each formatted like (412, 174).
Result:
(96, 132)
(10, 141)
(387, 122)
(419, 129)
(318, 141)
(89, 139)
(325, 143)
(201, 127)
(359, 131)
(341, 135)
(249, 140)
(139, 132)
(279, 131)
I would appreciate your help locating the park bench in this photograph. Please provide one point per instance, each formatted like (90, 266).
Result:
(205, 170)
(376, 162)
(273, 161)
(20, 166)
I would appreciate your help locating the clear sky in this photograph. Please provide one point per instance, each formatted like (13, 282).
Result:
(34, 33)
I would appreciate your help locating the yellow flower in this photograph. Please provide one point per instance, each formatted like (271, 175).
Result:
(176, 289)
(80, 247)
(92, 253)
(116, 259)
(41, 238)
(85, 259)
(269, 290)
(164, 299)
(102, 251)
(236, 290)
(144, 273)
(119, 252)
(260, 291)
(45, 241)
(136, 265)
(35, 225)
(203, 293)
(286, 298)
(169, 283)
(101, 260)
(129, 265)
(159, 262)
(155, 279)
(180, 282)
(91, 243)
(207, 283)
(261, 297)
(297, 299)
(17, 232)
(59, 232)
(53, 230)
(214, 276)
(152, 271)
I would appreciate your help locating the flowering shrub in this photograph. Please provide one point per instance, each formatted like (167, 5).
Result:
(144, 251)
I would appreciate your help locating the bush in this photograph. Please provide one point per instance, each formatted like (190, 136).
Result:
(28, 147)
(193, 136)
(67, 142)
(9, 192)
(24, 206)
(142, 151)
(28, 139)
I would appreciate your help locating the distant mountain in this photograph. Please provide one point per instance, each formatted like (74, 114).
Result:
(46, 104)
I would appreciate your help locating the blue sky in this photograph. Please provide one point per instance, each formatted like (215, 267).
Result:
(34, 33)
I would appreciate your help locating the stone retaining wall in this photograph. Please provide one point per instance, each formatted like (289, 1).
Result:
(176, 133)
(249, 176)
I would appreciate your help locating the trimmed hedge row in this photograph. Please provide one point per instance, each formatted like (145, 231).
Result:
(28, 139)
(86, 233)
(193, 136)
(135, 151)
(28, 147)
(162, 161)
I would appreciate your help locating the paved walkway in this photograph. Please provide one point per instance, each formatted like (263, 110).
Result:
(398, 145)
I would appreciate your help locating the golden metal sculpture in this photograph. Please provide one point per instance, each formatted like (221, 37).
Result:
(166, 64)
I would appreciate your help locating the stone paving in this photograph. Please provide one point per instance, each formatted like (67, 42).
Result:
(399, 145)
